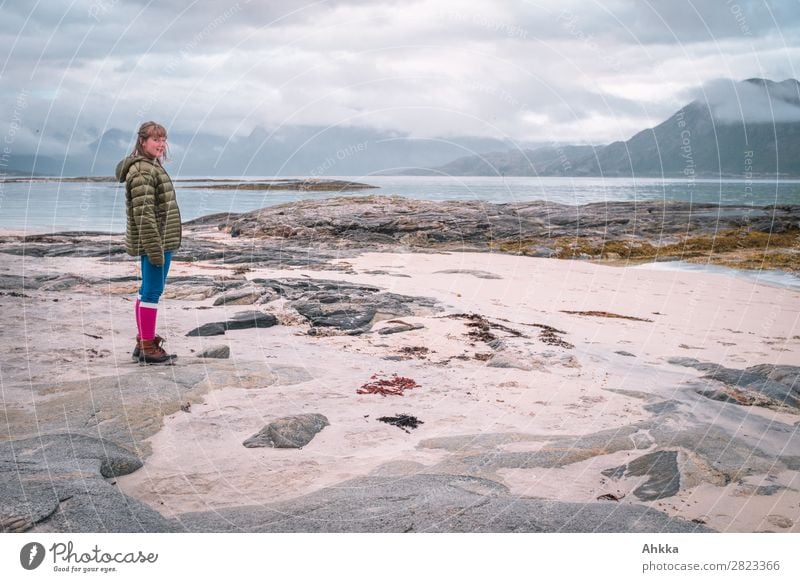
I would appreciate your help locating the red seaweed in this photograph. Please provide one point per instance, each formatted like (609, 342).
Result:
(395, 385)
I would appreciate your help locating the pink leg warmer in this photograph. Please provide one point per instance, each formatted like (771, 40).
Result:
(147, 318)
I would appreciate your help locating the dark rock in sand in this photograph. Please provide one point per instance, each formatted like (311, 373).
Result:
(291, 432)
(250, 319)
(349, 318)
(220, 352)
(498, 344)
(400, 328)
(208, 329)
(241, 320)
(344, 305)
(661, 468)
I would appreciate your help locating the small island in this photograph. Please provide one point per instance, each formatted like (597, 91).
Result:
(295, 184)
(302, 185)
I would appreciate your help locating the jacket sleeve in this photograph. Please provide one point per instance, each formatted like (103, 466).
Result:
(143, 206)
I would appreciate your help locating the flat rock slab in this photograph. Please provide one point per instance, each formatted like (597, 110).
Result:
(290, 432)
(344, 305)
(207, 330)
(350, 317)
(128, 409)
(661, 468)
(432, 503)
(56, 483)
(251, 319)
(761, 385)
(241, 320)
(125, 408)
(242, 296)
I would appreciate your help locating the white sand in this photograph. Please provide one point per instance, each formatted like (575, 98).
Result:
(199, 463)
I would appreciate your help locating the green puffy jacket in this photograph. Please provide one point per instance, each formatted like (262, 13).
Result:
(154, 220)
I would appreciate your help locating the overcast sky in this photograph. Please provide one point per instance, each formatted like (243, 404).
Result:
(528, 70)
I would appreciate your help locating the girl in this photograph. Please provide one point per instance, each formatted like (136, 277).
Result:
(153, 231)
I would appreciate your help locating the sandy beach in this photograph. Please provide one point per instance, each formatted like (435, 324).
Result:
(580, 370)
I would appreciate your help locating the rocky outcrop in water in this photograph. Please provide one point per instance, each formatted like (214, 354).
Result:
(396, 220)
(315, 233)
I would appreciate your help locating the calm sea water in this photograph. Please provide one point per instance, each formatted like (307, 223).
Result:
(53, 206)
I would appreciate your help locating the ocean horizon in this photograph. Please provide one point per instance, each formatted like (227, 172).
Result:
(41, 207)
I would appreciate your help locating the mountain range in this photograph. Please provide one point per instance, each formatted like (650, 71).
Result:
(287, 151)
(750, 128)
(734, 129)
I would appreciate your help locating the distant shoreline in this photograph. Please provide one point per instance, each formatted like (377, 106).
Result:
(248, 180)
(305, 184)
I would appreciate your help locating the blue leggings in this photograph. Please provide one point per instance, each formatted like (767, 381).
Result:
(154, 279)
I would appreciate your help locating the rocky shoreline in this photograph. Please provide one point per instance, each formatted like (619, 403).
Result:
(743, 237)
(618, 402)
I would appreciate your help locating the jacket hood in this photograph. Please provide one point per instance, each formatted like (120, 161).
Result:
(125, 164)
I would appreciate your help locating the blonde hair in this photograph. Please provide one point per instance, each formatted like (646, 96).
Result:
(146, 130)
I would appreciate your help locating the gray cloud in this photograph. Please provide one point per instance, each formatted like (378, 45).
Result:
(676, 22)
(525, 70)
(755, 102)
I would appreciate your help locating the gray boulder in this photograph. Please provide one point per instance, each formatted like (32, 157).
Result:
(345, 317)
(208, 329)
(290, 432)
(241, 320)
(250, 319)
(219, 351)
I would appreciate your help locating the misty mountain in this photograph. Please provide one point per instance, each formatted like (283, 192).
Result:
(287, 151)
(730, 129)
(733, 129)
(544, 160)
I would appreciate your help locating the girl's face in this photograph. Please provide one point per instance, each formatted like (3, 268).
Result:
(154, 147)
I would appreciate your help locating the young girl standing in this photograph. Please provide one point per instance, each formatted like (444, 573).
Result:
(153, 231)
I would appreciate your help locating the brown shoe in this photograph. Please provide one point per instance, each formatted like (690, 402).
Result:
(135, 354)
(151, 352)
